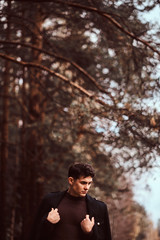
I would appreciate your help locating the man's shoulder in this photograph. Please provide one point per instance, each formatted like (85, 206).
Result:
(95, 206)
(95, 201)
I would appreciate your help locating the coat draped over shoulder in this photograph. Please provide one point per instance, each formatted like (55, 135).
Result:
(43, 229)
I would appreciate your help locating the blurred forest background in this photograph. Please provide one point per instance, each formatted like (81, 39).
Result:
(76, 80)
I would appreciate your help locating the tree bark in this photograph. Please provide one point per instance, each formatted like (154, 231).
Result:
(33, 141)
(4, 136)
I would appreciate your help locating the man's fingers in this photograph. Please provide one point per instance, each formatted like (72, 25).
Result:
(53, 216)
(52, 209)
(92, 220)
(87, 224)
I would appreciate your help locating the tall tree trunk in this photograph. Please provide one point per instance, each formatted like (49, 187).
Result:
(23, 162)
(4, 144)
(34, 142)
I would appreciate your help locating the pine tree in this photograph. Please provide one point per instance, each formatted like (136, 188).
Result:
(80, 74)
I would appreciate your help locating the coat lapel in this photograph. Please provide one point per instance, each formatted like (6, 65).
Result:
(91, 206)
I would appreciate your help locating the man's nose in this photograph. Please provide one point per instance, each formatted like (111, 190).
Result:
(86, 187)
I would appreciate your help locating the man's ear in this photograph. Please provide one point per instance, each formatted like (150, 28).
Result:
(71, 180)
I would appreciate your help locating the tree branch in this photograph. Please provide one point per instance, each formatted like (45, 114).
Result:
(52, 72)
(130, 113)
(82, 70)
(112, 20)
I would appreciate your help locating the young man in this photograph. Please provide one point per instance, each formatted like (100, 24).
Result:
(73, 214)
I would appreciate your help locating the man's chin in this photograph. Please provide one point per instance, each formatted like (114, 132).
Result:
(83, 194)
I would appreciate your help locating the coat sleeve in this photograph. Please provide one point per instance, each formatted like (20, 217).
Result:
(107, 223)
(42, 228)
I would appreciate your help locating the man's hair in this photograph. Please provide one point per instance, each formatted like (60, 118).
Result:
(78, 170)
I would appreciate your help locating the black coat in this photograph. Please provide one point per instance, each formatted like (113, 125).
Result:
(43, 230)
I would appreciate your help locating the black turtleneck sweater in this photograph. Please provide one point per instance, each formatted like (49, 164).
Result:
(72, 211)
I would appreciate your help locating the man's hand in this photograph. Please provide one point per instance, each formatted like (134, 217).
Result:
(87, 224)
(53, 216)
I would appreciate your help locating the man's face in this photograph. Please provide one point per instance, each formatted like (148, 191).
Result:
(79, 187)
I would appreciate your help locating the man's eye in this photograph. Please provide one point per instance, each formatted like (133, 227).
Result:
(83, 183)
